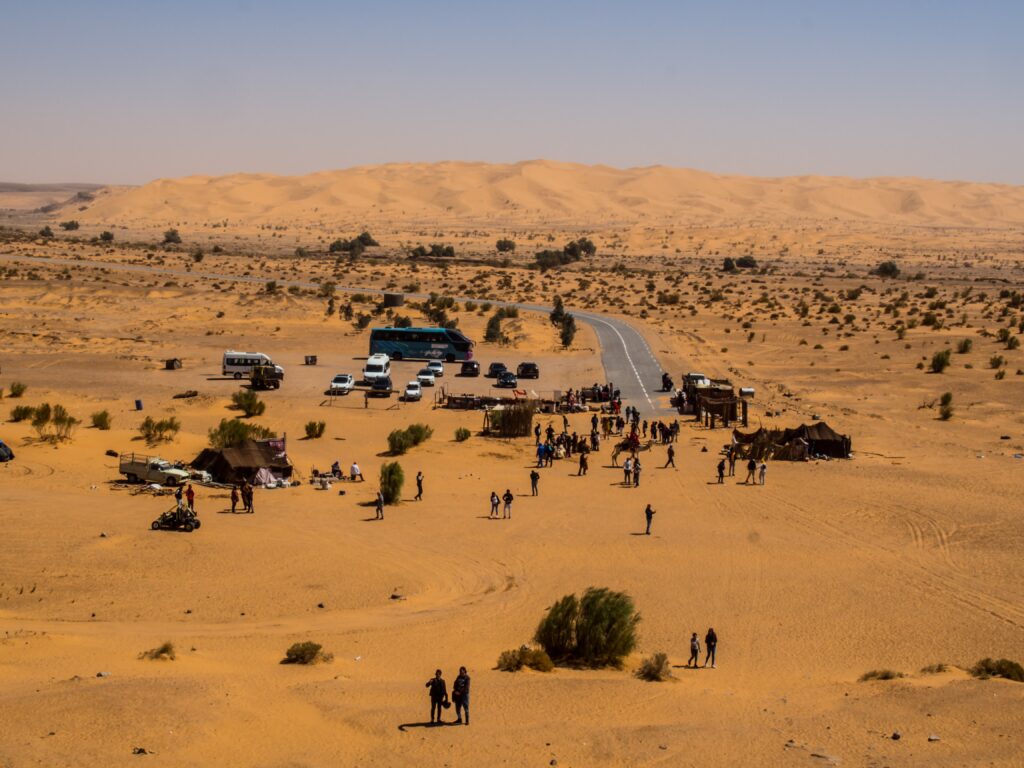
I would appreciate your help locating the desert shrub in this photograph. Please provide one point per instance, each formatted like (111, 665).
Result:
(1000, 374)
(1013, 342)
(996, 361)
(248, 402)
(598, 630)
(987, 668)
(41, 418)
(391, 480)
(964, 346)
(106, 236)
(46, 231)
(934, 669)
(231, 432)
(946, 406)
(515, 660)
(557, 314)
(887, 269)
(69, 226)
(307, 652)
(419, 433)
(155, 431)
(171, 237)
(747, 262)
(163, 652)
(505, 245)
(399, 442)
(63, 423)
(462, 435)
(22, 412)
(101, 420)
(18, 389)
(510, 661)
(940, 361)
(568, 332)
(515, 421)
(315, 429)
(493, 333)
(655, 668)
(879, 674)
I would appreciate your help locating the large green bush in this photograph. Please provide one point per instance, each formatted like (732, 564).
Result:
(231, 432)
(597, 630)
(248, 402)
(391, 480)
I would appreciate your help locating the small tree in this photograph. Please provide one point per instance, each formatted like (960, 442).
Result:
(728, 265)
(493, 333)
(171, 237)
(391, 479)
(505, 245)
(568, 332)
(887, 269)
(557, 315)
(946, 406)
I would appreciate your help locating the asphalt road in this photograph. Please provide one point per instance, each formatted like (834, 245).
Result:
(628, 361)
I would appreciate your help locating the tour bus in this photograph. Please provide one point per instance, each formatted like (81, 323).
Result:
(239, 364)
(444, 344)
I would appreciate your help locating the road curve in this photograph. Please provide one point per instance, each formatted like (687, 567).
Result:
(629, 364)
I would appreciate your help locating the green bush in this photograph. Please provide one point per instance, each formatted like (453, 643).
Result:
(946, 406)
(231, 432)
(505, 245)
(655, 669)
(964, 346)
(106, 236)
(398, 442)
(22, 412)
(940, 361)
(391, 480)
(879, 674)
(934, 669)
(462, 435)
(887, 269)
(69, 226)
(305, 653)
(515, 660)
(315, 429)
(598, 630)
(1005, 668)
(171, 236)
(996, 361)
(18, 389)
(248, 402)
(568, 332)
(101, 420)
(154, 431)
(419, 433)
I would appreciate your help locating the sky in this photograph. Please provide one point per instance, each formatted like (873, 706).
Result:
(126, 92)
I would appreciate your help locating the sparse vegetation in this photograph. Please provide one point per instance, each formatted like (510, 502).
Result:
(946, 406)
(54, 423)
(18, 389)
(22, 412)
(655, 668)
(163, 652)
(315, 429)
(231, 432)
(306, 652)
(940, 361)
(69, 226)
(887, 269)
(391, 480)
(171, 237)
(597, 630)
(505, 245)
(101, 420)
(1010, 670)
(158, 431)
(934, 669)
(964, 346)
(401, 440)
(248, 402)
(880, 674)
(462, 435)
(515, 660)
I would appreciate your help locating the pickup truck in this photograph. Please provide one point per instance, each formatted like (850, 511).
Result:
(150, 469)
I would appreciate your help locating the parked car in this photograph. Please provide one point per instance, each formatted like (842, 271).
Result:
(150, 469)
(437, 367)
(507, 380)
(494, 369)
(381, 387)
(425, 377)
(413, 391)
(342, 384)
(470, 368)
(528, 371)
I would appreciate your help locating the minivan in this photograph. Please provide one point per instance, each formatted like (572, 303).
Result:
(239, 364)
(377, 367)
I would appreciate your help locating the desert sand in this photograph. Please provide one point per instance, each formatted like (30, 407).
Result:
(907, 555)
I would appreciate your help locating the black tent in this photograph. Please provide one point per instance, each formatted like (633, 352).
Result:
(253, 461)
(821, 440)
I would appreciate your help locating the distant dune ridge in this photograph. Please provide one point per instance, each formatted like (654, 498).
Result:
(540, 190)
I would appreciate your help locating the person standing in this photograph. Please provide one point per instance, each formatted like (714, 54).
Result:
(583, 464)
(671, 457)
(627, 471)
(234, 498)
(419, 486)
(762, 470)
(460, 695)
(541, 453)
(536, 434)
(380, 505)
(438, 695)
(636, 473)
(190, 497)
(534, 479)
(721, 472)
(694, 652)
(494, 504)
(649, 514)
(507, 498)
(178, 496)
(252, 498)
(710, 643)
(732, 462)
(751, 469)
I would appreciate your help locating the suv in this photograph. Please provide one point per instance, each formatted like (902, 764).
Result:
(528, 371)
(494, 369)
(470, 368)
(507, 380)
(381, 386)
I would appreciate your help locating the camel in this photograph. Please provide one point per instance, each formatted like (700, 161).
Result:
(633, 449)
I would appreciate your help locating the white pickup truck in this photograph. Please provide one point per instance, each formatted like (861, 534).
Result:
(150, 469)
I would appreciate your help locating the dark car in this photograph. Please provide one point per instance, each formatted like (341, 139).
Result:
(470, 368)
(381, 386)
(528, 371)
(507, 380)
(494, 369)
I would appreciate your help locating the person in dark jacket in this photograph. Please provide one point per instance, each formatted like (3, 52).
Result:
(751, 470)
(507, 498)
(380, 505)
(438, 696)
(721, 471)
(419, 486)
(710, 643)
(460, 695)
(671, 458)
(649, 514)
(534, 479)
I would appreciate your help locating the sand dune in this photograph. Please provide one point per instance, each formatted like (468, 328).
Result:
(550, 191)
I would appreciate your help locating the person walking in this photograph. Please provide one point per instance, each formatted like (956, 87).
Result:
(438, 696)
(419, 486)
(710, 643)
(671, 458)
(190, 497)
(494, 504)
(694, 651)
(636, 473)
(534, 479)
(762, 470)
(751, 469)
(460, 695)
(380, 505)
(583, 464)
(234, 498)
(627, 471)
(721, 472)
(649, 514)
(507, 498)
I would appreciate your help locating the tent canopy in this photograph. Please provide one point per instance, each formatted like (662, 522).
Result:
(244, 461)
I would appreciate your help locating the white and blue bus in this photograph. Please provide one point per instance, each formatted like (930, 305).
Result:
(421, 344)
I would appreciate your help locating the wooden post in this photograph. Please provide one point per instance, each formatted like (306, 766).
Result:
(744, 407)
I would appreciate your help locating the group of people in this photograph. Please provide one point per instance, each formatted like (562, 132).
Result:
(496, 502)
(710, 646)
(243, 493)
(756, 472)
(185, 500)
(631, 472)
(438, 692)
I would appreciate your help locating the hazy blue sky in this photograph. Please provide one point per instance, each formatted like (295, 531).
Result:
(130, 91)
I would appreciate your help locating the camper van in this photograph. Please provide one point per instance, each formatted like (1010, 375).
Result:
(377, 367)
(240, 364)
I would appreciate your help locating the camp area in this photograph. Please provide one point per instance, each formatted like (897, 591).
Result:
(260, 462)
(806, 442)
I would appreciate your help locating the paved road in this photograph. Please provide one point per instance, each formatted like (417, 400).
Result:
(629, 363)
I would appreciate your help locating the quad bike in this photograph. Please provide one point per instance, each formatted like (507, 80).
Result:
(177, 519)
(666, 383)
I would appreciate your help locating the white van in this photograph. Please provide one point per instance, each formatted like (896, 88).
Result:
(239, 364)
(377, 367)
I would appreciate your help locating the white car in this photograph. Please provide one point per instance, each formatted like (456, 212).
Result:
(342, 384)
(437, 367)
(413, 391)
(425, 377)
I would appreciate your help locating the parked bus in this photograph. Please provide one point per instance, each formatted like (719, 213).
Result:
(239, 364)
(421, 344)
